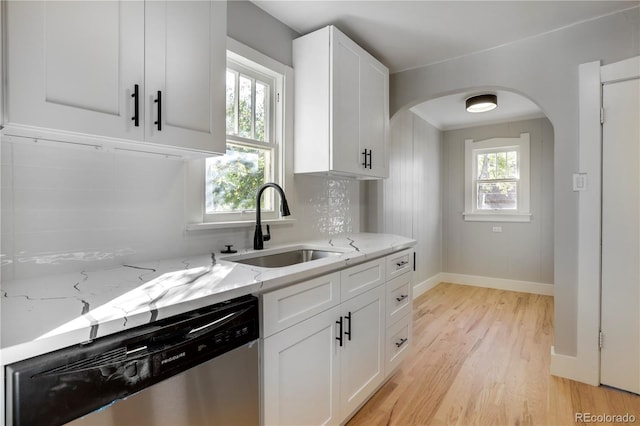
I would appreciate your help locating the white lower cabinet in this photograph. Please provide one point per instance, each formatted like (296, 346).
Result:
(398, 343)
(300, 370)
(362, 363)
(320, 367)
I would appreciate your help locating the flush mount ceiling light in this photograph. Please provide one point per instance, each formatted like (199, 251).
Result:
(482, 103)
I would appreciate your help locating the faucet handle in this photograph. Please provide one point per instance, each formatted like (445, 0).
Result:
(267, 237)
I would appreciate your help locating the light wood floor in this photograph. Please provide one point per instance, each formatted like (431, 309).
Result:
(481, 357)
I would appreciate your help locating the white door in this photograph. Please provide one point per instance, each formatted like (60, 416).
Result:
(185, 60)
(620, 323)
(301, 366)
(74, 65)
(362, 364)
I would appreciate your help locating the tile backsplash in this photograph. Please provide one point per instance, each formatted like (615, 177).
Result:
(67, 208)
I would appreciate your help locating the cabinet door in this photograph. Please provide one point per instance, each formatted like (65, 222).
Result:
(185, 63)
(374, 115)
(362, 364)
(345, 130)
(73, 65)
(301, 367)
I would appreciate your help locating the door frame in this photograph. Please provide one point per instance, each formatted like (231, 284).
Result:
(585, 365)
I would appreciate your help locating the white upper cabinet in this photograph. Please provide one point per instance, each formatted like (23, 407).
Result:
(185, 61)
(341, 107)
(97, 67)
(73, 65)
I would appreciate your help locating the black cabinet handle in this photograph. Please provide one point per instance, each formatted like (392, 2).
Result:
(367, 158)
(402, 297)
(401, 342)
(136, 105)
(348, 333)
(159, 102)
(339, 337)
(401, 264)
(370, 154)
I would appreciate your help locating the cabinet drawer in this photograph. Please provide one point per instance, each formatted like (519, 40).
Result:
(399, 263)
(290, 305)
(358, 279)
(398, 343)
(399, 297)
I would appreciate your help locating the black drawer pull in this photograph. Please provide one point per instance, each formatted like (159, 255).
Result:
(402, 297)
(348, 333)
(401, 264)
(136, 105)
(159, 102)
(401, 342)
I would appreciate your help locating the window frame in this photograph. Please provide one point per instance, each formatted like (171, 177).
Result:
(249, 67)
(472, 149)
(282, 131)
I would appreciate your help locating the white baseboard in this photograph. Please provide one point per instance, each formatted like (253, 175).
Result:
(498, 283)
(571, 367)
(426, 285)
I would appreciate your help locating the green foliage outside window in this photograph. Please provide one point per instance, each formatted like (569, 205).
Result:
(233, 179)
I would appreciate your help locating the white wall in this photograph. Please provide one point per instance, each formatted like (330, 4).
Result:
(410, 200)
(250, 25)
(544, 68)
(522, 251)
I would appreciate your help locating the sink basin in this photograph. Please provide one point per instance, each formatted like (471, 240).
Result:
(287, 258)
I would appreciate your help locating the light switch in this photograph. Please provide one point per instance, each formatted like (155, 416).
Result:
(497, 229)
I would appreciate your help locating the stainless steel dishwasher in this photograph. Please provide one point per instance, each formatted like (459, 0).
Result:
(197, 368)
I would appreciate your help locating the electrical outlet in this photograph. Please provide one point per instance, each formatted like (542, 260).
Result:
(497, 229)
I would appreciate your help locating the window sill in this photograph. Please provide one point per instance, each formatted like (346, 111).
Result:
(497, 217)
(238, 224)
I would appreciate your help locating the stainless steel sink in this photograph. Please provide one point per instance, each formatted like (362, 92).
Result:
(287, 258)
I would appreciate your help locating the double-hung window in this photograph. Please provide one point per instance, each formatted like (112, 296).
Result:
(253, 133)
(497, 179)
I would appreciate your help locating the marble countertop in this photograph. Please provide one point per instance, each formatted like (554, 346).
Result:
(45, 314)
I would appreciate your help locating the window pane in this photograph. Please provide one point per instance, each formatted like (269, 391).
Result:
(261, 109)
(497, 196)
(233, 179)
(483, 164)
(245, 107)
(492, 165)
(512, 164)
(501, 158)
(231, 102)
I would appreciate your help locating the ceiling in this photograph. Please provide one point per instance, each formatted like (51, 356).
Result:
(410, 34)
(449, 113)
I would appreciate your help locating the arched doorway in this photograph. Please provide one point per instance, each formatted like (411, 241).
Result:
(423, 197)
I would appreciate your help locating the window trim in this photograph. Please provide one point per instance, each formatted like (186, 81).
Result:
(522, 213)
(282, 133)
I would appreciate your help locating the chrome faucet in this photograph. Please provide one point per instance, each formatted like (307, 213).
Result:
(258, 238)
